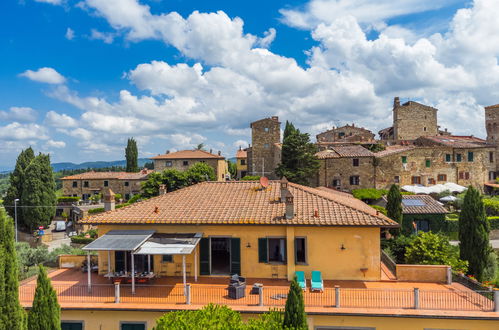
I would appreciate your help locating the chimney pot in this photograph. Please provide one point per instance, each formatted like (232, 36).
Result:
(316, 213)
(211, 151)
(290, 209)
(162, 189)
(167, 152)
(284, 188)
(219, 153)
(109, 201)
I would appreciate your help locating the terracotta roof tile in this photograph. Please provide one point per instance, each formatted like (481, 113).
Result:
(242, 154)
(393, 150)
(142, 175)
(189, 154)
(455, 141)
(344, 151)
(244, 202)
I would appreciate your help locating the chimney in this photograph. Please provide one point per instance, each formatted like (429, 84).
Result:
(162, 189)
(396, 102)
(284, 188)
(109, 201)
(219, 153)
(167, 152)
(290, 208)
(211, 151)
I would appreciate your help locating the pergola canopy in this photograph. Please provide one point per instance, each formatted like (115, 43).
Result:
(170, 244)
(120, 240)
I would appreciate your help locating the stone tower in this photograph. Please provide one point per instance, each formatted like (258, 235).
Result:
(491, 125)
(265, 152)
(412, 120)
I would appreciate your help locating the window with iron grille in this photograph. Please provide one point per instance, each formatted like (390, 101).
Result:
(355, 180)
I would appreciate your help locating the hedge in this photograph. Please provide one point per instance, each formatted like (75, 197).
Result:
(81, 240)
(96, 210)
(379, 208)
(68, 199)
(250, 178)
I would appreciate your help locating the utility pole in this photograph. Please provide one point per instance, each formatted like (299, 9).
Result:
(15, 214)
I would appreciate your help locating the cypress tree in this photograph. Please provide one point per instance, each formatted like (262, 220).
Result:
(132, 156)
(46, 312)
(298, 161)
(16, 183)
(294, 312)
(12, 314)
(38, 193)
(474, 233)
(394, 204)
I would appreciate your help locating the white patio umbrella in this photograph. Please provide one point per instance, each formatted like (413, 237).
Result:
(448, 199)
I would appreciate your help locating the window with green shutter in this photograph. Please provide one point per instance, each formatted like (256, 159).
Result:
(235, 256)
(133, 326)
(404, 159)
(458, 157)
(262, 250)
(428, 163)
(470, 156)
(204, 256)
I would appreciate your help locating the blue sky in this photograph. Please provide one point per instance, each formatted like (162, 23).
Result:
(78, 78)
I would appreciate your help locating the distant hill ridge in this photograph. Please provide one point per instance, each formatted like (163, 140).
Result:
(97, 164)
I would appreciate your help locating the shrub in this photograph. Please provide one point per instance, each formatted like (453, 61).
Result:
(135, 198)
(490, 272)
(250, 178)
(118, 197)
(434, 249)
(369, 194)
(67, 199)
(209, 317)
(96, 210)
(379, 208)
(81, 239)
(398, 247)
(491, 206)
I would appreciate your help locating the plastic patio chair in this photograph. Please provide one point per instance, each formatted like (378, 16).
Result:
(300, 278)
(316, 283)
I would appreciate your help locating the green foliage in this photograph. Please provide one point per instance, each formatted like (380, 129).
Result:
(294, 312)
(29, 257)
(132, 156)
(474, 234)
(298, 162)
(149, 165)
(96, 198)
(381, 209)
(491, 271)
(12, 315)
(78, 239)
(117, 197)
(67, 199)
(65, 249)
(210, 317)
(17, 178)
(46, 312)
(394, 204)
(4, 184)
(434, 249)
(175, 179)
(491, 206)
(250, 178)
(38, 193)
(369, 194)
(232, 169)
(135, 198)
(272, 320)
(200, 146)
(374, 147)
(398, 247)
(96, 210)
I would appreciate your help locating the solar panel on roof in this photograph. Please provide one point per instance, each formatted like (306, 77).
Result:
(413, 202)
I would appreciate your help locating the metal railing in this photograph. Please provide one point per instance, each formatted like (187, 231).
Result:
(471, 284)
(272, 296)
(389, 262)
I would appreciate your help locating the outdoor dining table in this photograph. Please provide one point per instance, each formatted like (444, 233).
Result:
(125, 277)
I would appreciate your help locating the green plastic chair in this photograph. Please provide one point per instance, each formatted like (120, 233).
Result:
(316, 283)
(302, 281)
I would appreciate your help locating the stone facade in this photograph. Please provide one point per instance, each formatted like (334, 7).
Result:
(350, 133)
(341, 174)
(185, 159)
(491, 125)
(412, 120)
(87, 184)
(264, 155)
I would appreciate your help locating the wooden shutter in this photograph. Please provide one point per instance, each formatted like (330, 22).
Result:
(235, 256)
(262, 250)
(204, 256)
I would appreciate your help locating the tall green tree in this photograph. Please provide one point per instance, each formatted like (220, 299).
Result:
(46, 312)
(298, 161)
(394, 204)
(474, 233)
(232, 167)
(16, 182)
(12, 315)
(132, 156)
(38, 196)
(294, 312)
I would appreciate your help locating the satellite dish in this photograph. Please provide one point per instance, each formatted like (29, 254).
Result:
(264, 181)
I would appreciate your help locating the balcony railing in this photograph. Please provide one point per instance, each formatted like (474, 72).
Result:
(272, 296)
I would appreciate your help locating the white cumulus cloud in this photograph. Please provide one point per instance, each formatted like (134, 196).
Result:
(44, 75)
(19, 114)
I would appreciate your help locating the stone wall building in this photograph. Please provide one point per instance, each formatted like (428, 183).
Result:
(463, 160)
(411, 120)
(264, 155)
(491, 125)
(87, 184)
(347, 133)
(185, 159)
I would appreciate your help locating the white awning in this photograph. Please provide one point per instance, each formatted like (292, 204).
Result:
(120, 240)
(170, 244)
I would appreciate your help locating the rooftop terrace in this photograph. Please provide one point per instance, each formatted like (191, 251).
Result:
(355, 297)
